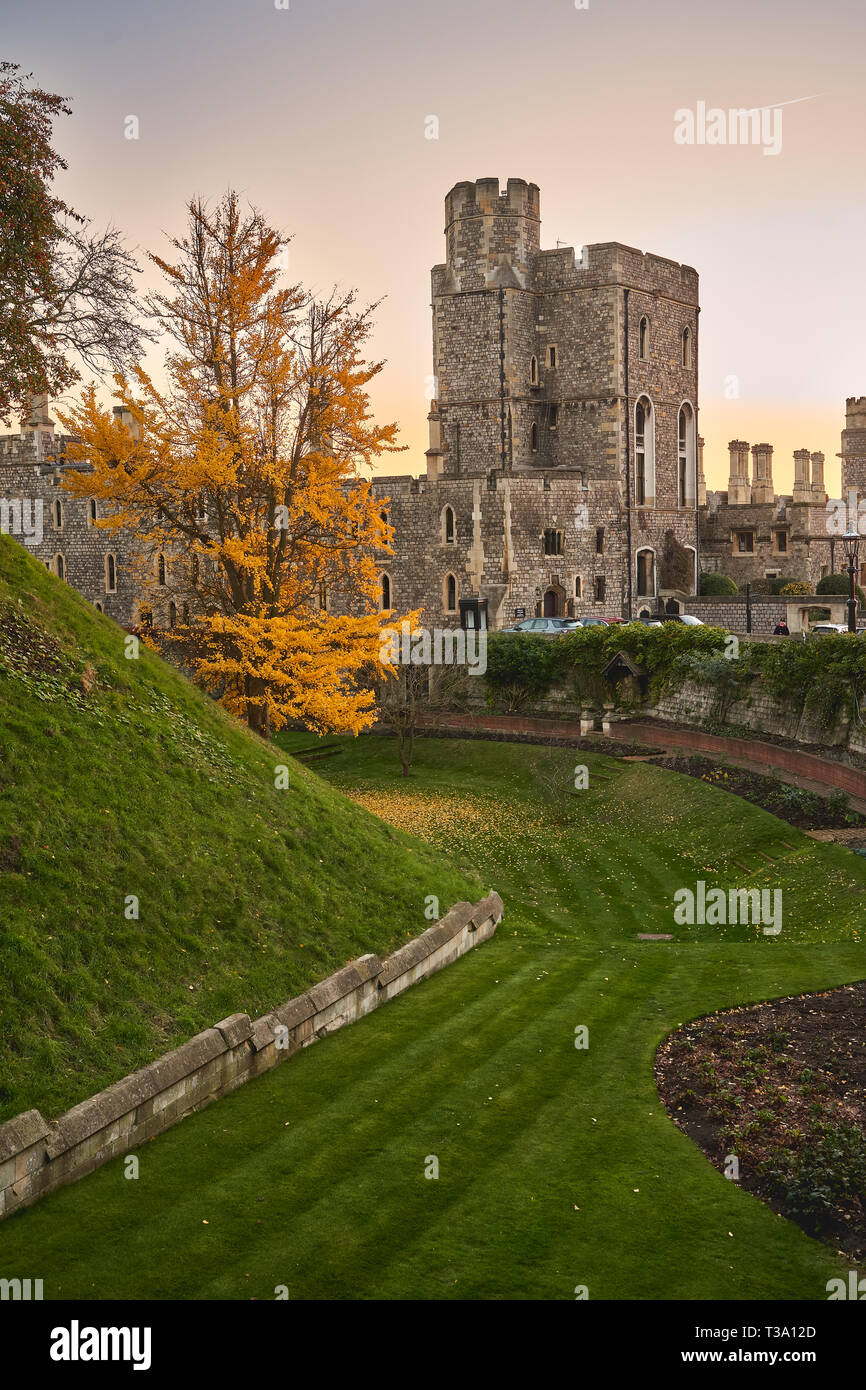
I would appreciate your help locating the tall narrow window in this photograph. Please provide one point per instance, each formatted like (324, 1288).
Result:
(110, 575)
(185, 612)
(172, 614)
(386, 592)
(554, 416)
(640, 454)
(160, 570)
(577, 586)
(58, 514)
(533, 371)
(92, 511)
(551, 357)
(448, 528)
(643, 339)
(450, 593)
(687, 347)
(685, 457)
(533, 438)
(60, 566)
(599, 540)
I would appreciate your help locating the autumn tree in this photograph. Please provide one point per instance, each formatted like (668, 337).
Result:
(245, 477)
(67, 295)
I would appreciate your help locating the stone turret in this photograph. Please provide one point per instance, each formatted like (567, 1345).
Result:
(739, 491)
(491, 236)
(853, 453)
(802, 484)
(819, 493)
(762, 473)
(39, 426)
(435, 453)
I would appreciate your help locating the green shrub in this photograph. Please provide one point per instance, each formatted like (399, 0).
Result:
(838, 584)
(780, 582)
(717, 585)
(521, 667)
(796, 586)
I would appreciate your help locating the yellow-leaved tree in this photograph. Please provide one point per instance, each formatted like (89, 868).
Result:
(244, 477)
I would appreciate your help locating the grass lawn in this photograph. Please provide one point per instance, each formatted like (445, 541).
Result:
(557, 1165)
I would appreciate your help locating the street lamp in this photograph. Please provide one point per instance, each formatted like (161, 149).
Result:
(851, 543)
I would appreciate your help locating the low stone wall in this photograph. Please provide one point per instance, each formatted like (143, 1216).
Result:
(37, 1156)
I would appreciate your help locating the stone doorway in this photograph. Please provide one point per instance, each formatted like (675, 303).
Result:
(553, 604)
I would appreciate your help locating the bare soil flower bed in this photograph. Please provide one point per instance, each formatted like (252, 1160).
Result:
(781, 1088)
(805, 809)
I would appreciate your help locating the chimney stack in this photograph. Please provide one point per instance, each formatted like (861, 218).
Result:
(802, 486)
(739, 492)
(762, 473)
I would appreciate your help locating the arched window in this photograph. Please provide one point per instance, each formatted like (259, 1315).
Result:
(687, 347)
(58, 514)
(172, 614)
(686, 456)
(646, 573)
(644, 453)
(533, 371)
(644, 338)
(449, 529)
(383, 517)
(160, 570)
(110, 575)
(98, 606)
(60, 566)
(92, 512)
(577, 586)
(533, 438)
(450, 594)
(385, 592)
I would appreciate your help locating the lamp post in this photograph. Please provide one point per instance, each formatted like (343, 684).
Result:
(851, 542)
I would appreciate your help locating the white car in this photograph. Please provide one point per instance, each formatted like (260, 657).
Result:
(827, 629)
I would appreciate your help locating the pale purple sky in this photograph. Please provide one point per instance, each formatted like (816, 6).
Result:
(317, 113)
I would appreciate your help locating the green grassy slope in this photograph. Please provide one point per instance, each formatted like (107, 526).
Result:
(557, 1166)
(118, 778)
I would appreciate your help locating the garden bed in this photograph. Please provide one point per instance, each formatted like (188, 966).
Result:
(805, 809)
(781, 1087)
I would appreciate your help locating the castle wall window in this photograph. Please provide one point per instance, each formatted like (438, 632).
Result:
(781, 542)
(60, 567)
(553, 542)
(533, 371)
(533, 438)
(551, 356)
(323, 597)
(384, 592)
(145, 616)
(450, 594)
(686, 477)
(646, 573)
(449, 528)
(383, 517)
(644, 453)
(553, 420)
(98, 606)
(160, 570)
(577, 586)
(600, 588)
(58, 514)
(92, 512)
(644, 339)
(172, 614)
(110, 575)
(599, 540)
(744, 542)
(686, 347)
(185, 613)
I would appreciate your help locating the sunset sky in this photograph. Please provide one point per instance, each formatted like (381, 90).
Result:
(317, 114)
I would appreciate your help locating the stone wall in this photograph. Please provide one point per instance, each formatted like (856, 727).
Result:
(37, 1156)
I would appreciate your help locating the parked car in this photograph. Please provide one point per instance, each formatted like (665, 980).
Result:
(547, 627)
(660, 619)
(828, 629)
(595, 622)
